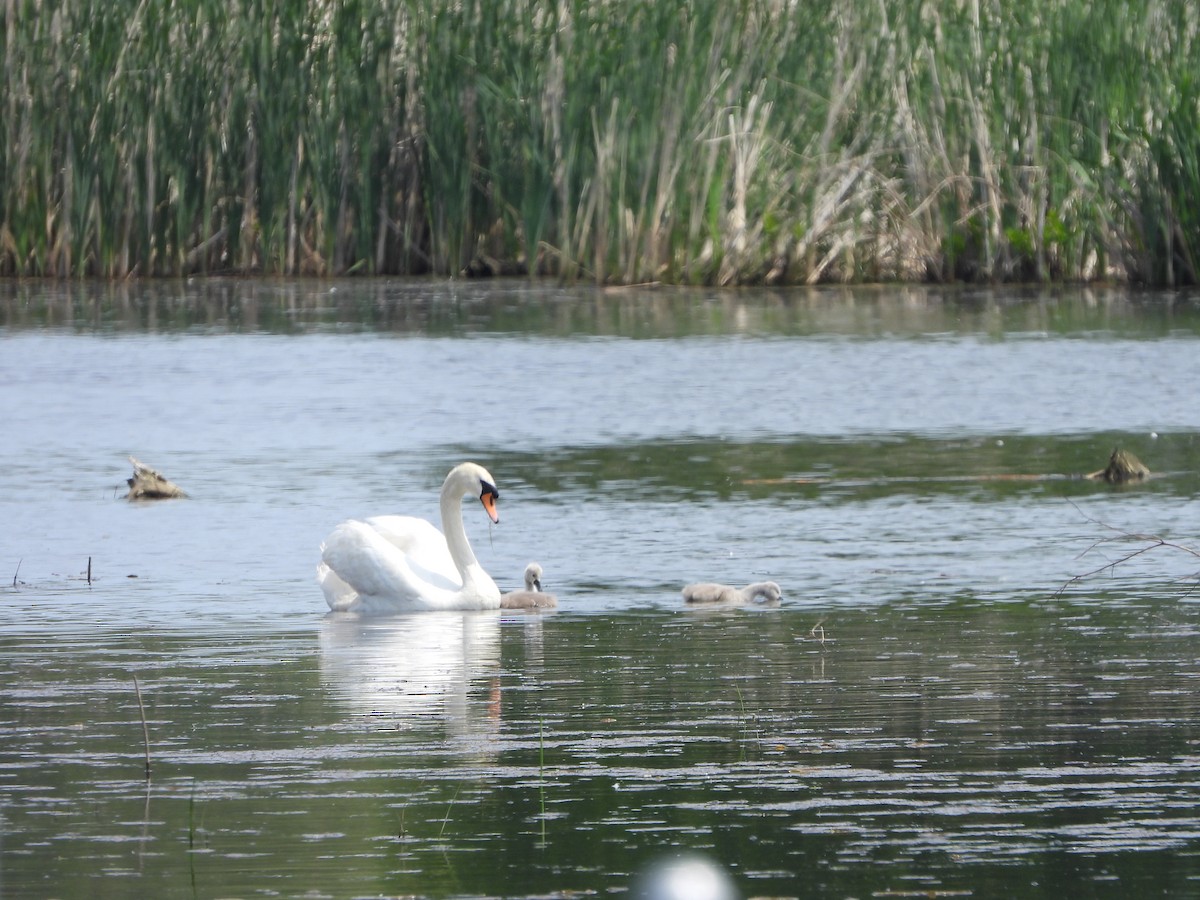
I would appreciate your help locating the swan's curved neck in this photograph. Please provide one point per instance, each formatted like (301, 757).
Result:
(452, 528)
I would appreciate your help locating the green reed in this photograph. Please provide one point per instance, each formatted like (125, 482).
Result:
(743, 142)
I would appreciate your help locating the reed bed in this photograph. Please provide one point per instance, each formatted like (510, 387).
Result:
(753, 141)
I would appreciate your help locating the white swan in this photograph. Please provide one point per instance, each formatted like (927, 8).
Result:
(708, 593)
(532, 597)
(404, 564)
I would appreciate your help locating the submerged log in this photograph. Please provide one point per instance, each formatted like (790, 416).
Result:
(1122, 468)
(147, 484)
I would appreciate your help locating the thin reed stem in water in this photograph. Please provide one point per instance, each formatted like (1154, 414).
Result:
(745, 728)
(542, 778)
(192, 838)
(449, 807)
(145, 728)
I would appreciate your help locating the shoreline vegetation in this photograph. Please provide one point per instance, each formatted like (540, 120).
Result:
(751, 142)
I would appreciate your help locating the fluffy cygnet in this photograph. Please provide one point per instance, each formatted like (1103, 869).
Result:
(707, 593)
(533, 597)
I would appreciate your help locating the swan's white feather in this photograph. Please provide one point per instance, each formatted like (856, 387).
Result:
(370, 564)
(416, 538)
(338, 594)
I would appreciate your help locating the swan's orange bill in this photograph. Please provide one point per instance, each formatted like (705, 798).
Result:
(488, 498)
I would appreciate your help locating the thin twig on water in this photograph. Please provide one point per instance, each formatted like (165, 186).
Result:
(446, 819)
(745, 723)
(89, 574)
(18, 572)
(1152, 542)
(542, 777)
(145, 729)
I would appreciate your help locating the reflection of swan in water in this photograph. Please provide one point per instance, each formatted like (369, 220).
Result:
(706, 593)
(434, 666)
(390, 564)
(533, 597)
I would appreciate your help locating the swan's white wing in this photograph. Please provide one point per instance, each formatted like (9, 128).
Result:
(412, 536)
(423, 546)
(370, 564)
(364, 562)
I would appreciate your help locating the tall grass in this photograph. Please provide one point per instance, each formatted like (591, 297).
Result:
(658, 140)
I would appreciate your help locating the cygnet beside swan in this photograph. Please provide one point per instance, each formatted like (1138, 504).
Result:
(708, 593)
(532, 597)
(403, 564)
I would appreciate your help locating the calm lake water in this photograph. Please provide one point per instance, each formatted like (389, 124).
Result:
(975, 685)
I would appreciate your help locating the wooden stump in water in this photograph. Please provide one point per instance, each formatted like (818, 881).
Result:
(147, 484)
(1122, 468)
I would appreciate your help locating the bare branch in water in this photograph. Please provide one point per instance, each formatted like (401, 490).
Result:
(1149, 542)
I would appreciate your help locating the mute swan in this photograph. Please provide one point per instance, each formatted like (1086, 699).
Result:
(403, 564)
(532, 597)
(708, 593)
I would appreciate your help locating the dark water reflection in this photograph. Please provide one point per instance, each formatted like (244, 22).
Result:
(440, 308)
(936, 709)
(1027, 748)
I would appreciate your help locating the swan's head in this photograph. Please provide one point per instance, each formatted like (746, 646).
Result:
(533, 577)
(477, 481)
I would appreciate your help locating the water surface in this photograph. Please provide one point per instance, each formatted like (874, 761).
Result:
(936, 707)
